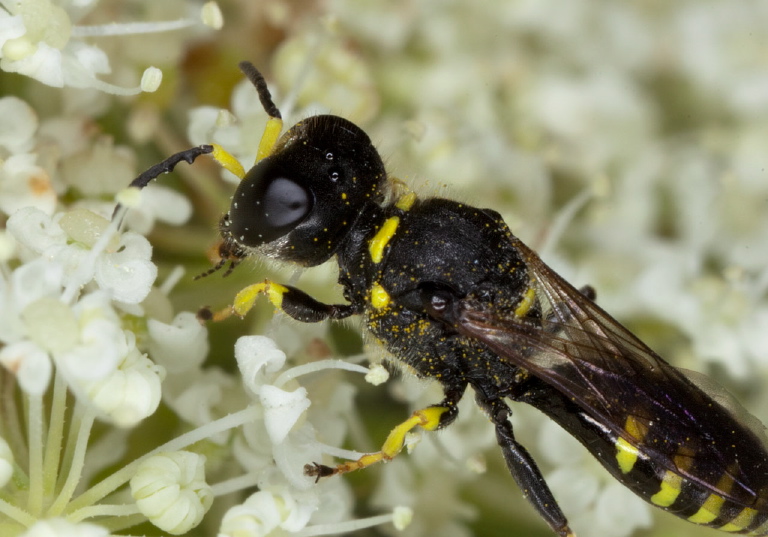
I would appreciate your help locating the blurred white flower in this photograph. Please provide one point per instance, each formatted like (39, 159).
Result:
(266, 511)
(61, 527)
(39, 39)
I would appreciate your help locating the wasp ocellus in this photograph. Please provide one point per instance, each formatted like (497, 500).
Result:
(454, 296)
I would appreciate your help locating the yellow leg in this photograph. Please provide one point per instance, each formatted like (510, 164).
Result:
(428, 418)
(268, 140)
(246, 298)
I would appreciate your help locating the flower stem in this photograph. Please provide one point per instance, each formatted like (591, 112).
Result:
(55, 434)
(343, 527)
(78, 461)
(16, 514)
(111, 510)
(122, 476)
(35, 424)
(75, 423)
(235, 484)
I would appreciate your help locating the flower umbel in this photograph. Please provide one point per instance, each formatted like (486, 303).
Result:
(628, 139)
(39, 39)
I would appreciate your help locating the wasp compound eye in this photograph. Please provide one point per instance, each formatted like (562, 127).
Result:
(267, 205)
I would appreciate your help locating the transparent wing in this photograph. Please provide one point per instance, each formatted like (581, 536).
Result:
(623, 385)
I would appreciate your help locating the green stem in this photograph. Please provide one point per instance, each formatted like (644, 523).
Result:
(122, 476)
(110, 510)
(35, 428)
(16, 514)
(75, 424)
(76, 471)
(55, 434)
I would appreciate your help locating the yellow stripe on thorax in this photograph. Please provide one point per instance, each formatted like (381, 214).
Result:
(379, 296)
(380, 240)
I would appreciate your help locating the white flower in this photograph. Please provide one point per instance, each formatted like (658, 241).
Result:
(157, 202)
(266, 511)
(60, 527)
(180, 346)
(282, 410)
(122, 266)
(38, 282)
(130, 393)
(18, 124)
(259, 360)
(38, 39)
(170, 490)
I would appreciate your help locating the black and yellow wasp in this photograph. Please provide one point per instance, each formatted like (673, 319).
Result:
(454, 296)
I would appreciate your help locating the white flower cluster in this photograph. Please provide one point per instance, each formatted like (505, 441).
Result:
(627, 140)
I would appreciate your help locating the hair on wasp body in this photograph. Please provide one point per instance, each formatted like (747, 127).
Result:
(451, 293)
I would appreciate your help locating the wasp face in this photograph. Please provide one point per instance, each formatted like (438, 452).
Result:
(299, 203)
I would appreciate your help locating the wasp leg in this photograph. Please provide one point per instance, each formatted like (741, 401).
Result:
(524, 469)
(293, 302)
(430, 419)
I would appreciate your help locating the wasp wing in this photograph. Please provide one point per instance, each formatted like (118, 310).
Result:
(624, 386)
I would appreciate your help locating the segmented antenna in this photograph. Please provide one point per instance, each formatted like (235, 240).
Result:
(166, 166)
(257, 79)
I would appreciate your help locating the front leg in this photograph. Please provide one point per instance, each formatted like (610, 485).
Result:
(524, 469)
(294, 302)
(430, 418)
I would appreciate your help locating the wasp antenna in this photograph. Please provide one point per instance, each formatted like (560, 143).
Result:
(218, 266)
(166, 166)
(230, 268)
(257, 79)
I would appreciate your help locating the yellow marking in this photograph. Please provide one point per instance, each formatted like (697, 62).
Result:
(740, 521)
(227, 161)
(272, 131)
(428, 419)
(245, 299)
(525, 305)
(709, 510)
(636, 428)
(406, 201)
(684, 458)
(380, 240)
(669, 491)
(626, 455)
(379, 297)
(762, 529)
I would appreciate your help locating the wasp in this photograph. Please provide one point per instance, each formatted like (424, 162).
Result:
(454, 296)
